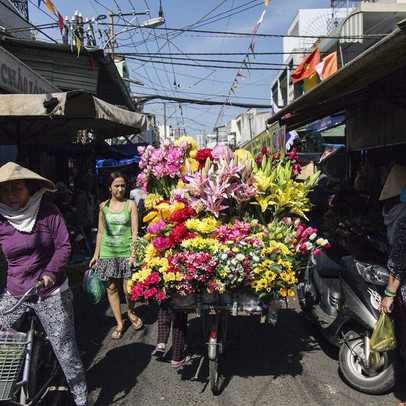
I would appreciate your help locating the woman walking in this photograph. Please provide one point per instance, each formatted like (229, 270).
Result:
(35, 242)
(117, 229)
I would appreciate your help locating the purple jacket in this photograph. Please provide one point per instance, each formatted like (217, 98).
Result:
(30, 256)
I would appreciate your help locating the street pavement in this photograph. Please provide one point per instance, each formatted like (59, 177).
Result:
(289, 364)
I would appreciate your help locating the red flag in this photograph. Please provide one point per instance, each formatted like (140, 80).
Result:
(307, 67)
(60, 21)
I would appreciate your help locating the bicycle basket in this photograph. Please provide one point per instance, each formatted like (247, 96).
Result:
(12, 355)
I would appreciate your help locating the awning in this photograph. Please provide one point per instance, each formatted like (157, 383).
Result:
(57, 117)
(342, 89)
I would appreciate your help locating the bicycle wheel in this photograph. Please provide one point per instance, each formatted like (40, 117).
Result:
(44, 372)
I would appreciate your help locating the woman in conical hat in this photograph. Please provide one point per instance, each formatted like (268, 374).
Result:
(35, 242)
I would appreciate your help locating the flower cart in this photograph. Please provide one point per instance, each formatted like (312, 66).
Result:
(225, 235)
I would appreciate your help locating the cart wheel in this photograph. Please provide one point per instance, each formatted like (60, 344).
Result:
(214, 375)
(213, 352)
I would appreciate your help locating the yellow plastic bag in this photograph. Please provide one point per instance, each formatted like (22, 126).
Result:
(383, 337)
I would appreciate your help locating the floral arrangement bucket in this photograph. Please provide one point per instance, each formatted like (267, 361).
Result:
(184, 301)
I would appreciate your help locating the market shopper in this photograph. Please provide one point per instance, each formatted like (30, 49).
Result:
(117, 228)
(138, 195)
(84, 215)
(35, 242)
(178, 321)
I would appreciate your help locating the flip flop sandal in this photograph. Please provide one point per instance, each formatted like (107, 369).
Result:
(117, 334)
(182, 363)
(138, 325)
(159, 350)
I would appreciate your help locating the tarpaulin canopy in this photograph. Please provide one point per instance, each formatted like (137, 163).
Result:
(57, 117)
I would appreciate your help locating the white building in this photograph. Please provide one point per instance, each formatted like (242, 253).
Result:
(246, 126)
(164, 133)
(310, 25)
(346, 19)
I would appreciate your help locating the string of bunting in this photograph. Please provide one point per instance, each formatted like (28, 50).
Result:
(245, 65)
(61, 23)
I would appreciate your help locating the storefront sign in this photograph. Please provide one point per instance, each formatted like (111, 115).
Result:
(16, 77)
(273, 138)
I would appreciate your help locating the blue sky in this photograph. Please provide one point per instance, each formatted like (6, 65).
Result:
(192, 82)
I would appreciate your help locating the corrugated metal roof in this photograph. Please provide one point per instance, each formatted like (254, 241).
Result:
(60, 64)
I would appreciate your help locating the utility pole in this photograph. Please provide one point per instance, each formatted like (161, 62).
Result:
(165, 121)
(111, 32)
(111, 25)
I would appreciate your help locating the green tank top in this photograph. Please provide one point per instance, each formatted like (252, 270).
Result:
(116, 238)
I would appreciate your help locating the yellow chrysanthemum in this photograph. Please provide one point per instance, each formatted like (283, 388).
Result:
(180, 184)
(193, 153)
(150, 252)
(205, 226)
(190, 140)
(291, 292)
(151, 200)
(201, 244)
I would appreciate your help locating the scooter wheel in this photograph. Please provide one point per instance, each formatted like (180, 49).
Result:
(374, 379)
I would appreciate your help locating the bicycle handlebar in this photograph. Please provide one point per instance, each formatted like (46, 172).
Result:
(24, 297)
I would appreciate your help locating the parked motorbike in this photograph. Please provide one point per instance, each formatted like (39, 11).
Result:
(341, 295)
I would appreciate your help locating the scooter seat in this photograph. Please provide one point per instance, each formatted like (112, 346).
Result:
(326, 267)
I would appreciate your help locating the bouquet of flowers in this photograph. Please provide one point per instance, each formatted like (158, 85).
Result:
(221, 221)
(162, 167)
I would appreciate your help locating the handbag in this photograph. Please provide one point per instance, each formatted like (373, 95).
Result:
(383, 337)
(93, 288)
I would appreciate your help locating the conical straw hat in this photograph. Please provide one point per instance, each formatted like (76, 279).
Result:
(394, 183)
(12, 171)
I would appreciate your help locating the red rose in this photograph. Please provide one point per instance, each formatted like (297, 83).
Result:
(202, 156)
(178, 233)
(182, 215)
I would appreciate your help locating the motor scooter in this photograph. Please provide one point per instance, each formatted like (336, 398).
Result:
(341, 295)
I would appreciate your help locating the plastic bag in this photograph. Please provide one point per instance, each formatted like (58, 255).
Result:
(383, 337)
(93, 288)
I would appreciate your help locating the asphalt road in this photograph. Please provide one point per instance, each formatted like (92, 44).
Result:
(288, 364)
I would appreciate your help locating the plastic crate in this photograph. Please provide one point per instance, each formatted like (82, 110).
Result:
(12, 355)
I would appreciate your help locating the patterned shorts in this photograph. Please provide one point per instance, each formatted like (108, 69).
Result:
(113, 268)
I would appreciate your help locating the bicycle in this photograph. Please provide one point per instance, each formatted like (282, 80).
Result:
(215, 321)
(27, 363)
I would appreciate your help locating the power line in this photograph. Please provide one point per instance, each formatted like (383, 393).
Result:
(201, 66)
(249, 34)
(221, 61)
(219, 53)
(203, 102)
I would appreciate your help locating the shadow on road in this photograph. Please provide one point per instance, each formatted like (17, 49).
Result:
(255, 349)
(121, 376)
